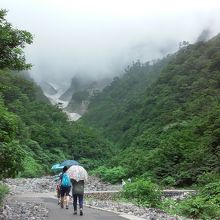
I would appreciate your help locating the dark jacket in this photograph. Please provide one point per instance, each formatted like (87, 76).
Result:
(77, 187)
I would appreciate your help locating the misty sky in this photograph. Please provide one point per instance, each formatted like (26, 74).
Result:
(100, 37)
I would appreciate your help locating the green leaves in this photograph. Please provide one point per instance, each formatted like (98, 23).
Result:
(112, 175)
(8, 124)
(12, 43)
(143, 192)
(40, 129)
(43, 130)
(165, 117)
(205, 205)
(11, 159)
(3, 191)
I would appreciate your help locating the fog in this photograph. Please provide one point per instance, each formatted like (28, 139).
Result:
(99, 38)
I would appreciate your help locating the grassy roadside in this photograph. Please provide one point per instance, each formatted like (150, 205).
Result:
(3, 192)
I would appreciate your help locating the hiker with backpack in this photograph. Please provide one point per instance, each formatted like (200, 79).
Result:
(65, 188)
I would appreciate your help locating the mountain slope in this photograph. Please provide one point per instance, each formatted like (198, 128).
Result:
(80, 99)
(34, 134)
(170, 127)
(39, 133)
(114, 108)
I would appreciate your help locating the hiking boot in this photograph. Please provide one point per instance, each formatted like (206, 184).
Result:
(67, 207)
(61, 205)
(75, 213)
(81, 212)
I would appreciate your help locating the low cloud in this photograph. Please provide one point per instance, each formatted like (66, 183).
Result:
(100, 38)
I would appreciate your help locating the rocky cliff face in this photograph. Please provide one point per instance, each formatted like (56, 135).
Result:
(75, 100)
(81, 94)
(77, 84)
(80, 100)
(48, 88)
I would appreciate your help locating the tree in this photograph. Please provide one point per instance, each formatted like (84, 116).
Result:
(12, 43)
(11, 159)
(8, 124)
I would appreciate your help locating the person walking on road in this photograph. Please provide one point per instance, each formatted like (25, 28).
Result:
(65, 188)
(77, 193)
(78, 176)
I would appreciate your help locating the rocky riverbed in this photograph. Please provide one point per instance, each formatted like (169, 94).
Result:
(131, 209)
(48, 184)
(14, 210)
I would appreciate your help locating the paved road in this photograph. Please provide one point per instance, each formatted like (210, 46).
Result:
(56, 213)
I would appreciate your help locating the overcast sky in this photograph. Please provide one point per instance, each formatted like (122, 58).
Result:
(101, 37)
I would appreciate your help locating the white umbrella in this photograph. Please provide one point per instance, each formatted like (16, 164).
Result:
(77, 173)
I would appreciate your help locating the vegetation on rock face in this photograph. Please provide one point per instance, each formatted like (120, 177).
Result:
(165, 116)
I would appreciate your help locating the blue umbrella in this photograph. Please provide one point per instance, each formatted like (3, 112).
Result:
(69, 163)
(57, 167)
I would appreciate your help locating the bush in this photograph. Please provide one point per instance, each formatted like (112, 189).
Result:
(199, 207)
(112, 175)
(207, 178)
(211, 192)
(143, 192)
(168, 181)
(31, 168)
(205, 205)
(89, 163)
(11, 159)
(3, 191)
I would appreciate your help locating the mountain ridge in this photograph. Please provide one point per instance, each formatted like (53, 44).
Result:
(169, 126)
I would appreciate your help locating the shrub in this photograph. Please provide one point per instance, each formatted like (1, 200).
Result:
(89, 163)
(168, 181)
(11, 158)
(205, 205)
(3, 191)
(211, 192)
(207, 178)
(31, 168)
(112, 175)
(199, 207)
(147, 175)
(143, 192)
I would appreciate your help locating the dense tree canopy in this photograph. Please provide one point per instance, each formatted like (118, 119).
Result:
(42, 130)
(165, 116)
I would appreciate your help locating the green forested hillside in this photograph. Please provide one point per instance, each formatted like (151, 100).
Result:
(33, 133)
(113, 110)
(42, 131)
(165, 117)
